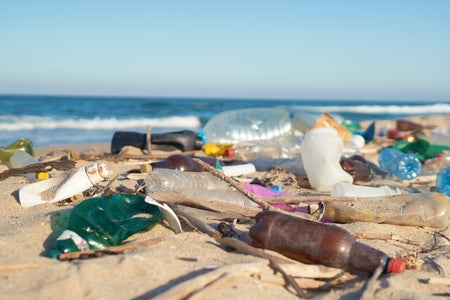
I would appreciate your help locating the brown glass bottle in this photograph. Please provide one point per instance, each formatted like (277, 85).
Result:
(318, 243)
(182, 162)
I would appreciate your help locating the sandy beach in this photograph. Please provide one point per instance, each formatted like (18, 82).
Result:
(193, 264)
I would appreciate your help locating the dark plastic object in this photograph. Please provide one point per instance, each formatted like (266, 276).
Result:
(185, 140)
(318, 243)
(357, 166)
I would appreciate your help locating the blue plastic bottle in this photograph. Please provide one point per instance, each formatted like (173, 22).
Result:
(405, 166)
(443, 181)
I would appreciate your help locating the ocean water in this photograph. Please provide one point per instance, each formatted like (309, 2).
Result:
(59, 120)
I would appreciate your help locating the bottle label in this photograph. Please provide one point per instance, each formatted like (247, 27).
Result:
(81, 243)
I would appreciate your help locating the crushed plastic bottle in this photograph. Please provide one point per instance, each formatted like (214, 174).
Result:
(252, 124)
(414, 209)
(318, 243)
(167, 180)
(405, 166)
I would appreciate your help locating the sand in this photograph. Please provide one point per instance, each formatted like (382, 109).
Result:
(193, 257)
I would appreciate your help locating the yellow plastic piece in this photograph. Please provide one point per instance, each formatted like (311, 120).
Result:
(215, 150)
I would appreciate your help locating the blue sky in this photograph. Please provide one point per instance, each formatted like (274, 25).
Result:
(258, 49)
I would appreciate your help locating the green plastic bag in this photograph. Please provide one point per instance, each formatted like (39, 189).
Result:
(97, 223)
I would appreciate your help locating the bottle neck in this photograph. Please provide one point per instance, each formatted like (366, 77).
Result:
(364, 258)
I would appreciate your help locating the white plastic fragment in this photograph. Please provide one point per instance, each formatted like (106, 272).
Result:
(60, 188)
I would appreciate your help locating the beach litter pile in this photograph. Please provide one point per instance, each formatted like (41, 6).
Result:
(297, 194)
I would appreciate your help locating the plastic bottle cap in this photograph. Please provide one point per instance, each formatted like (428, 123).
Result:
(229, 152)
(42, 175)
(146, 168)
(358, 140)
(396, 265)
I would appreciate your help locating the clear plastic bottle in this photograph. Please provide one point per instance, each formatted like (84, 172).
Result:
(414, 209)
(318, 243)
(405, 166)
(201, 185)
(21, 159)
(167, 180)
(281, 147)
(443, 181)
(252, 124)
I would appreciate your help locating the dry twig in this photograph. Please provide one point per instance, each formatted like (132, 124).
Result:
(110, 250)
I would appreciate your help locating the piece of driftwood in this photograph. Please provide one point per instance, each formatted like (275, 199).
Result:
(385, 237)
(21, 266)
(148, 140)
(258, 270)
(438, 280)
(38, 167)
(110, 250)
(290, 281)
(310, 198)
(369, 287)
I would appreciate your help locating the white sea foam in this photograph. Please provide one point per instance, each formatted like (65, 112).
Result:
(15, 123)
(438, 108)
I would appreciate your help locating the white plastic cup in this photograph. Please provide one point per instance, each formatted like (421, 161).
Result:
(351, 190)
(321, 153)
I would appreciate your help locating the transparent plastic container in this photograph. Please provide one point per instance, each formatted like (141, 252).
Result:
(443, 181)
(405, 166)
(167, 180)
(281, 147)
(252, 124)
(414, 209)
(21, 159)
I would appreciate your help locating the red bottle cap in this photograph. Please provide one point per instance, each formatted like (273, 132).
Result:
(229, 152)
(396, 265)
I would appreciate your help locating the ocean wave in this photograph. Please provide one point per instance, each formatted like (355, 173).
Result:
(15, 123)
(438, 108)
